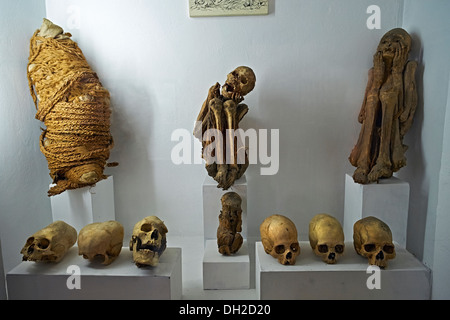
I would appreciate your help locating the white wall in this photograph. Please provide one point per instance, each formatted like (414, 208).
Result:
(23, 169)
(428, 169)
(159, 63)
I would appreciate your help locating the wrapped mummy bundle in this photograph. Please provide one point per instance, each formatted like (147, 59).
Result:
(74, 107)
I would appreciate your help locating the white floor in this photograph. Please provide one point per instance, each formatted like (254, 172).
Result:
(192, 272)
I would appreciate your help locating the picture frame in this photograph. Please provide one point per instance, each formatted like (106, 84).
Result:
(209, 8)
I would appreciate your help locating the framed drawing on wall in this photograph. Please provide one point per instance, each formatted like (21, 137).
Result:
(208, 8)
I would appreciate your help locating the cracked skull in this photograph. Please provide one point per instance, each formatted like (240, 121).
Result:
(239, 82)
(101, 241)
(372, 238)
(279, 238)
(148, 241)
(50, 243)
(326, 237)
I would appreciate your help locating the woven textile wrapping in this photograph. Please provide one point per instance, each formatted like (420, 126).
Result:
(74, 107)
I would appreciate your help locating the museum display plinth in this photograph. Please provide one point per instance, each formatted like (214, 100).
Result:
(226, 272)
(122, 279)
(234, 269)
(80, 207)
(387, 200)
(311, 278)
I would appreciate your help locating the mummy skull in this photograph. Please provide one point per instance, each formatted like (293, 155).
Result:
(240, 81)
(326, 237)
(279, 239)
(372, 239)
(148, 241)
(50, 243)
(101, 240)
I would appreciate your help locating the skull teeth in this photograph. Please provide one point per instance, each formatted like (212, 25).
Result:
(144, 247)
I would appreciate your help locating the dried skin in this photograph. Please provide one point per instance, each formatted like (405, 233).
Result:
(387, 111)
(229, 240)
(221, 111)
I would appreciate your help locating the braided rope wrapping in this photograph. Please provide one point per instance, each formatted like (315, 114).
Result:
(74, 107)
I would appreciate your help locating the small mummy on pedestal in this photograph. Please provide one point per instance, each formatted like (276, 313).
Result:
(229, 240)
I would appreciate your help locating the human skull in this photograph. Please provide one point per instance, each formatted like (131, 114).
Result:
(240, 81)
(50, 243)
(279, 239)
(326, 237)
(393, 40)
(101, 240)
(372, 239)
(148, 241)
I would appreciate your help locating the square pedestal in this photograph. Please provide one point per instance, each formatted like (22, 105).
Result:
(122, 279)
(83, 206)
(387, 200)
(212, 205)
(311, 278)
(225, 272)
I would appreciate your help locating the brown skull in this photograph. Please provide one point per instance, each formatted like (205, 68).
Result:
(101, 240)
(279, 238)
(148, 241)
(372, 239)
(239, 82)
(326, 237)
(50, 243)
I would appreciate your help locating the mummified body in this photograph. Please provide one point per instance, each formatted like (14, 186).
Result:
(387, 111)
(229, 240)
(74, 107)
(217, 122)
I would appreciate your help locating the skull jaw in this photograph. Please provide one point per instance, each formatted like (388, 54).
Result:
(145, 257)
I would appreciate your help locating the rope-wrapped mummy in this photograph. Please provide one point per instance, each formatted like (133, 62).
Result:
(74, 108)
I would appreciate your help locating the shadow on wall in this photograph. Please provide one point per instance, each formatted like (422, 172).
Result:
(415, 170)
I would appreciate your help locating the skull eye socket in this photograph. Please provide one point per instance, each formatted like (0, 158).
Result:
(295, 247)
(43, 243)
(369, 247)
(146, 227)
(323, 248)
(339, 248)
(388, 248)
(243, 80)
(30, 240)
(155, 234)
(279, 249)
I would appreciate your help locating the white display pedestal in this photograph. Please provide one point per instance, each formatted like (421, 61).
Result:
(212, 205)
(122, 279)
(310, 278)
(80, 207)
(225, 272)
(387, 200)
